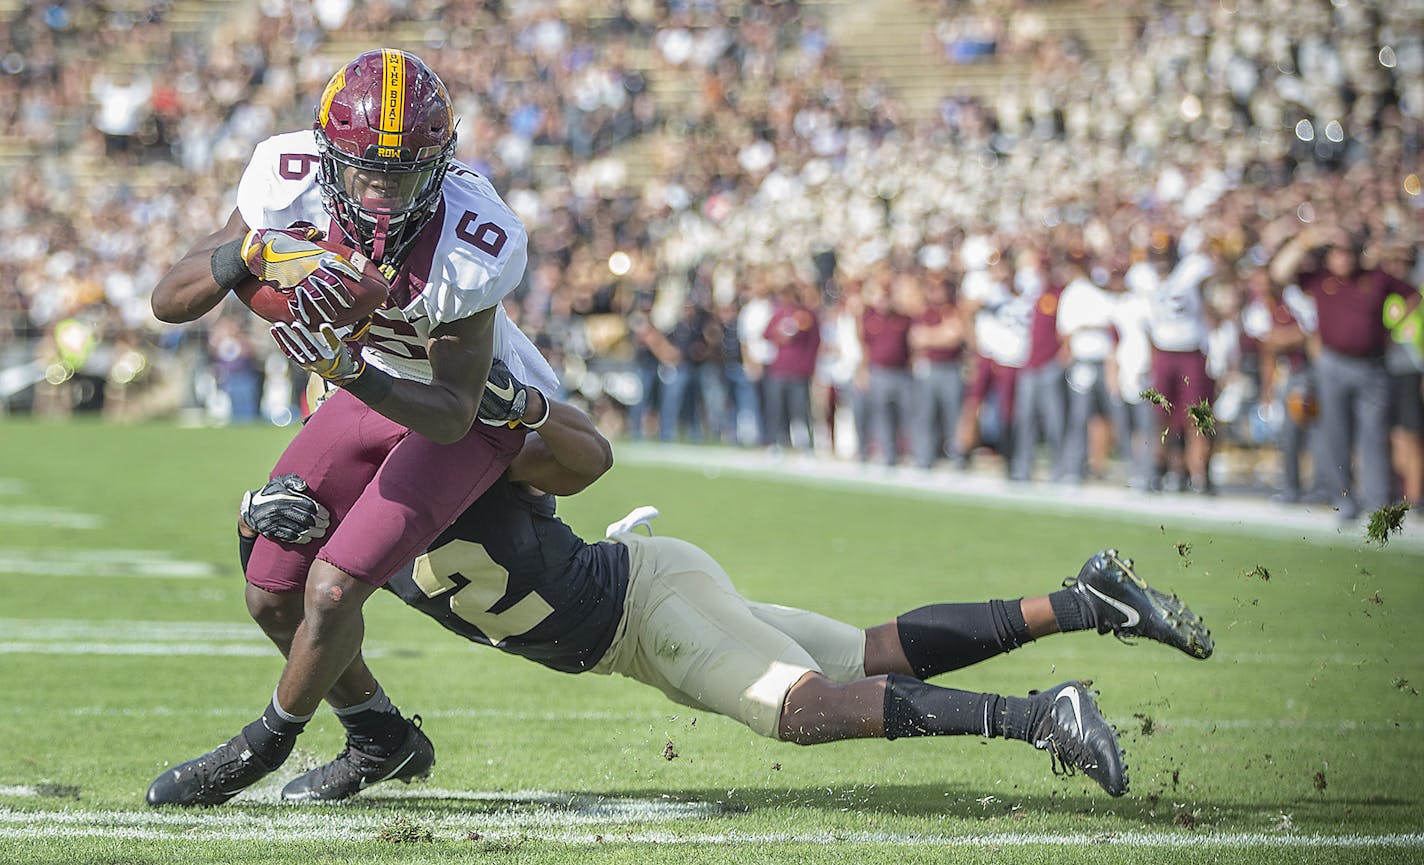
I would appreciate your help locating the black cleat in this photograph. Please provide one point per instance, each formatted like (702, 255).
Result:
(1078, 737)
(211, 779)
(353, 771)
(1127, 606)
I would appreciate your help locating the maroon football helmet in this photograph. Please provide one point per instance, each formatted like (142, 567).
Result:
(385, 133)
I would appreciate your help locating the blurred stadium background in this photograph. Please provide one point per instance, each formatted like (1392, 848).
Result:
(683, 165)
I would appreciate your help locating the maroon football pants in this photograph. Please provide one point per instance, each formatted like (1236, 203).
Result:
(390, 491)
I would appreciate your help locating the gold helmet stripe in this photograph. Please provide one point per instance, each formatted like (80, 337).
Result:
(333, 87)
(392, 99)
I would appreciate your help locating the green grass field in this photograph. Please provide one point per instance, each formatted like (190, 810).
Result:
(124, 647)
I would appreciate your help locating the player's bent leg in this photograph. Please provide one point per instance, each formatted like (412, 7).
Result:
(818, 710)
(837, 648)
(1126, 605)
(689, 634)
(278, 614)
(328, 639)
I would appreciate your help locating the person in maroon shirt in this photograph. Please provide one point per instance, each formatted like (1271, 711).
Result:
(1353, 384)
(885, 335)
(1040, 397)
(795, 330)
(936, 340)
(1271, 332)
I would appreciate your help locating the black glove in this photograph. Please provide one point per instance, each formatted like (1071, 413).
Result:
(283, 511)
(505, 398)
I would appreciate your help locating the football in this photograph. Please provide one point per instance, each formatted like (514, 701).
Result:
(274, 303)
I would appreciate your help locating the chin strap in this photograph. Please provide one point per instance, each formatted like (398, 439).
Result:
(378, 238)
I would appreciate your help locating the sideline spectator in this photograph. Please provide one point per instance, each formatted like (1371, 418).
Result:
(795, 330)
(937, 364)
(1095, 412)
(1039, 401)
(1354, 386)
(884, 334)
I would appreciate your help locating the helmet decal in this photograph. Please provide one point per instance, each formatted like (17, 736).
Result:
(334, 86)
(392, 104)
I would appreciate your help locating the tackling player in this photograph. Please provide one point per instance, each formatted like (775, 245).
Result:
(509, 574)
(394, 453)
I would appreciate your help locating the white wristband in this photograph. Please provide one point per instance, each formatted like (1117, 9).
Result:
(548, 409)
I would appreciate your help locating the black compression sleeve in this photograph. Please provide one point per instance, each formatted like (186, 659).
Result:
(244, 548)
(229, 270)
(913, 708)
(944, 637)
(371, 386)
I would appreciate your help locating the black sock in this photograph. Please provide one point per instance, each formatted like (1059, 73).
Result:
(374, 727)
(913, 708)
(944, 637)
(272, 736)
(1073, 611)
(244, 548)
(1020, 717)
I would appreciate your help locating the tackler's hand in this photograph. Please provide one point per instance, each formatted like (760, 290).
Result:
(283, 510)
(329, 352)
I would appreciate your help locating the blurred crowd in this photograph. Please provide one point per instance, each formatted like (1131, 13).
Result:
(734, 239)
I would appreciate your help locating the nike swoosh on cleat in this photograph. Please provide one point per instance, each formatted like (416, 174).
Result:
(366, 783)
(1132, 615)
(1071, 694)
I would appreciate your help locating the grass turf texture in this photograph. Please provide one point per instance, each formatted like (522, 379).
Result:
(1298, 742)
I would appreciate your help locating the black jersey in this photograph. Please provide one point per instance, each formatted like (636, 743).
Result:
(510, 574)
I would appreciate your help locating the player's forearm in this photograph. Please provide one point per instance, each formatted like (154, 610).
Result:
(565, 454)
(444, 410)
(189, 289)
(438, 412)
(575, 442)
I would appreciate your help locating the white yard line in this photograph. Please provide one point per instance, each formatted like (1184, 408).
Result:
(133, 637)
(1242, 514)
(100, 563)
(216, 650)
(558, 822)
(126, 629)
(48, 518)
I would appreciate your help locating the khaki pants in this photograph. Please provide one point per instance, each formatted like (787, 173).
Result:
(686, 632)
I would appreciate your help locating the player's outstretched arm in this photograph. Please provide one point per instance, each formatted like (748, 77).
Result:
(566, 455)
(189, 289)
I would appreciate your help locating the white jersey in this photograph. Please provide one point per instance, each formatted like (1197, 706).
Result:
(1134, 349)
(1001, 323)
(1178, 320)
(466, 260)
(1085, 316)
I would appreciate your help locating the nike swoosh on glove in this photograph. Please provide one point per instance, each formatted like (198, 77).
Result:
(504, 399)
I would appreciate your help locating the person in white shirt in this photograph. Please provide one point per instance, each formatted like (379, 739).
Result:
(757, 350)
(1131, 372)
(1178, 328)
(1085, 320)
